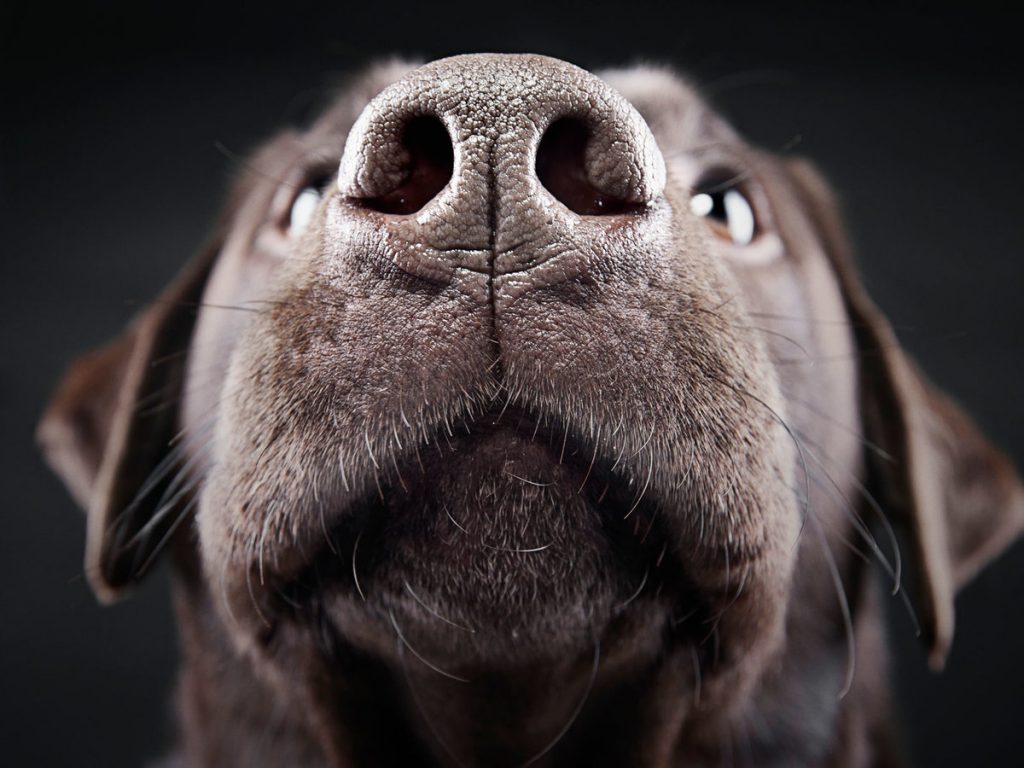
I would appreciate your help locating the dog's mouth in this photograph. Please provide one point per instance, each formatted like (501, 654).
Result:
(505, 538)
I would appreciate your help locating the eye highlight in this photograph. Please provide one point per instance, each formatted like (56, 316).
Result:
(304, 204)
(302, 210)
(720, 200)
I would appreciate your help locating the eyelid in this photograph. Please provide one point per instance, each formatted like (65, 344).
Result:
(719, 178)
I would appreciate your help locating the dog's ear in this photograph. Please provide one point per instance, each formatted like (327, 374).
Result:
(957, 496)
(109, 428)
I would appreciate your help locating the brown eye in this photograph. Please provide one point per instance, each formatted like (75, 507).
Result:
(720, 200)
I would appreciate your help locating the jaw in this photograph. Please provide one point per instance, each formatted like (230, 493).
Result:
(349, 709)
(504, 546)
(491, 580)
(511, 574)
(502, 574)
(657, 526)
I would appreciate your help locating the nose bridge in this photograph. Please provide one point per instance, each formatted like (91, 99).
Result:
(496, 110)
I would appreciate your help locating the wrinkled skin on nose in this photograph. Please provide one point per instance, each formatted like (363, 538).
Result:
(494, 217)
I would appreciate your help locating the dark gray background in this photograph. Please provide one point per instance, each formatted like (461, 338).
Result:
(110, 175)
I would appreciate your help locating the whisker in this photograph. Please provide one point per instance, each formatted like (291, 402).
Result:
(398, 472)
(196, 304)
(643, 490)
(842, 322)
(636, 594)
(179, 486)
(434, 612)
(355, 575)
(243, 162)
(873, 447)
(792, 435)
(165, 538)
(155, 477)
(593, 458)
(454, 521)
(844, 607)
(162, 511)
(252, 598)
(419, 705)
(646, 442)
(323, 524)
(777, 335)
(516, 550)
(695, 657)
(268, 516)
(528, 482)
(413, 651)
(893, 571)
(855, 519)
(576, 712)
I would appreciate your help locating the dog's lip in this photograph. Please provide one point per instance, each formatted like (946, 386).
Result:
(620, 500)
(613, 493)
(601, 476)
(565, 439)
(630, 527)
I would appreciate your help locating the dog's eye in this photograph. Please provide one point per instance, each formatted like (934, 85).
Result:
(720, 200)
(305, 203)
(303, 206)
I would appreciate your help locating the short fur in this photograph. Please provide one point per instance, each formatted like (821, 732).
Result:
(494, 482)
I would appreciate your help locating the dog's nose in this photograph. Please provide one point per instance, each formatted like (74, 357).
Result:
(491, 163)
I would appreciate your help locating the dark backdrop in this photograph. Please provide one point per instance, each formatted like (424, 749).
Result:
(110, 174)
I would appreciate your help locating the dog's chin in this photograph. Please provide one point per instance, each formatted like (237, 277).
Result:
(498, 547)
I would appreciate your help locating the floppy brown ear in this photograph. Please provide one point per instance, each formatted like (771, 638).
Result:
(958, 497)
(108, 429)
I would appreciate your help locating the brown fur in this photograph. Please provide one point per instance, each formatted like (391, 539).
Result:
(497, 483)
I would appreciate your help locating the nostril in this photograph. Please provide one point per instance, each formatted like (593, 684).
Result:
(561, 168)
(431, 160)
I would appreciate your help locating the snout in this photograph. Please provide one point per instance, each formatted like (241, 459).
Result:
(504, 385)
(499, 166)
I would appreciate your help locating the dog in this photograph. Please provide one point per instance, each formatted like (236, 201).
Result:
(520, 416)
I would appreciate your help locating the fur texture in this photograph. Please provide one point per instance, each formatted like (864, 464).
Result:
(516, 456)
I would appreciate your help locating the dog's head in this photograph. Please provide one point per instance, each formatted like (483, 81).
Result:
(500, 364)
